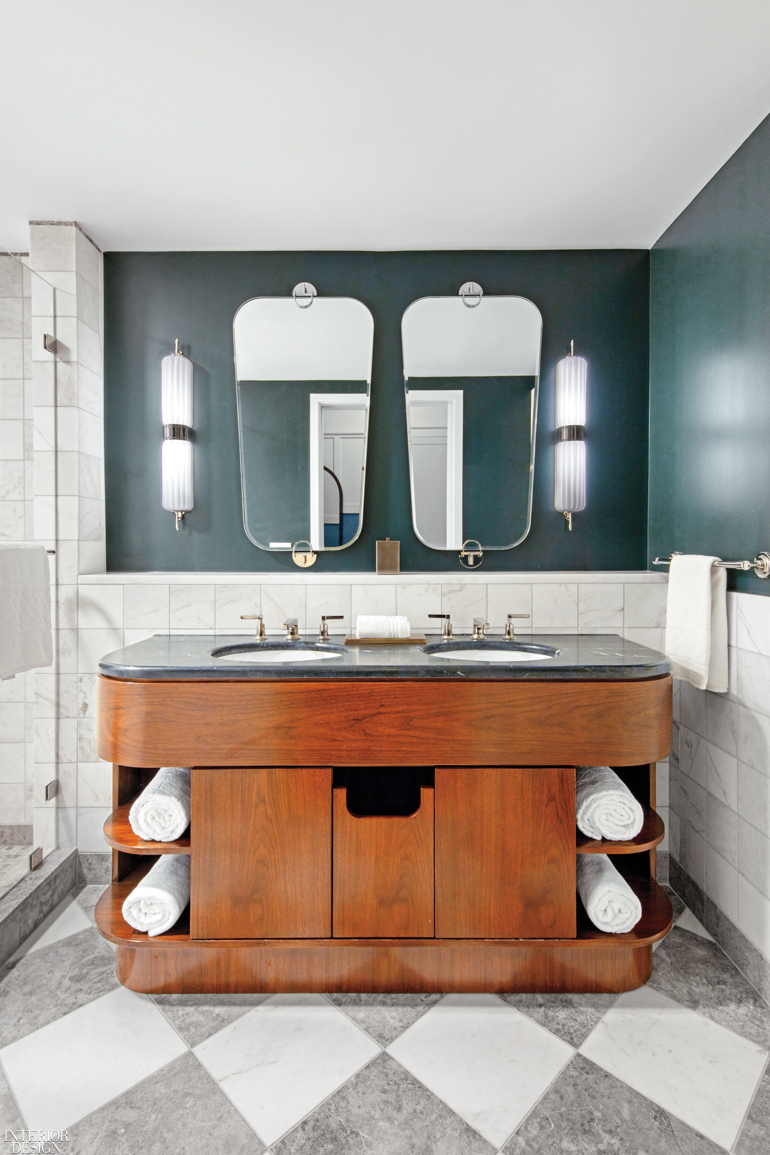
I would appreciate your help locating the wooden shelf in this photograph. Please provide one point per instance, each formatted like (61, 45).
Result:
(653, 831)
(120, 836)
(653, 925)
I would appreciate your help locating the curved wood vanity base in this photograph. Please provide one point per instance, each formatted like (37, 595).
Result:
(398, 723)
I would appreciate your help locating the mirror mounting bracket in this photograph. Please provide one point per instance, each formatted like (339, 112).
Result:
(471, 294)
(303, 294)
(473, 556)
(303, 557)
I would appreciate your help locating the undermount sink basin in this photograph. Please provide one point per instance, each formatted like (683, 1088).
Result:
(277, 653)
(489, 650)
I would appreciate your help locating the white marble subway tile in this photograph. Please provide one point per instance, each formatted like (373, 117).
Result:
(93, 644)
(12, 721)
(91, 821)
(88, 260)
(11, 276)
(12, 520)
(753, 621)
(146, 606)
(66, 428)
(692, 707)
(67, 691)
(722, 829)
(44, 826)
(90, 434)
(672, 833)
(754, 739)
(231, 602)
(12, 359)
(328, 599)
(67, 776)
(754, 915)
(11, 317)
(90, 471)
(52, 247)
(12, 805)
(417, 601)
(645, 604)
(192, 607)
(372, 599)
(732, 673)
(692, 851)
(90, 391)
(662, 779)
(86, 696)
(89, 347)
(732, 617)
(280, 602)
(90, 519)
(13, 761)
(663, 811)
(66, 339)
(13, 690)
(67, 739)
(722, 722)
(45, 481)
(555, 606)
(67, 525)
(600, 605)
(45, 739)
(12, 480)
(87, 742)
(12, 440)
(754, 796)
(653, 637)
(67, 384)
(754, 681)
(692, 755)
(94, 784)
(66, 819)
(87, 302)
(11, 400)
(91, 557)
(754, 856)
(692, 803)
(66, 651)
(463, 602)
(100, 606)
(721, 775)
(509, 598)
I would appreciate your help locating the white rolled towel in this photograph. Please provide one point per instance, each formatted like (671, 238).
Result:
(604, 806)
(382, 626)
(610, 902)
(157, 902)
(161, 813)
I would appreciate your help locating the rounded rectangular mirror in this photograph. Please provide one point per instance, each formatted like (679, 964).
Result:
(471, 377)
(303, 377)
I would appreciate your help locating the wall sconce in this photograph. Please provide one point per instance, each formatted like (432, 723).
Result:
(176, 462)
(570, 463)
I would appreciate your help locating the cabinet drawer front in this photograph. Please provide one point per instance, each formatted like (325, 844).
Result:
(505, 852)
(261, 853)
(383, 872)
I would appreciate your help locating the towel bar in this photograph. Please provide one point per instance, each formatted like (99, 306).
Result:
(760, 564)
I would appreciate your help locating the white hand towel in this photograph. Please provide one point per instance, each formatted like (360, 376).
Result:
(604, 806)
(159, 899)
(25, 608)
(382, 626)
(696, 621)
(161, 813)
(610, 902)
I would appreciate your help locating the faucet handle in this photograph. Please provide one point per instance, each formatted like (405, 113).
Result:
(479, 626)
(260, 637)
(323, 633)
(291, 625)
(446, 634)
(509, 632)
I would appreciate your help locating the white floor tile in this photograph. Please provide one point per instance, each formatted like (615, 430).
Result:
(688, 921)
(74, 1065)
(690, 1066)
(488, 1062)
(68, 918)
(282, 1059)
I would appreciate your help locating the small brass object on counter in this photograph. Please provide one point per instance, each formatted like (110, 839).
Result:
(388, 556)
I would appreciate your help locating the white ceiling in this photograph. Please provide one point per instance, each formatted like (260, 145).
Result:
(350, 124)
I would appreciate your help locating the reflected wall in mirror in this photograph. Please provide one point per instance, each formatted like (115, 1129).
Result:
(303, 378)
(471, 375)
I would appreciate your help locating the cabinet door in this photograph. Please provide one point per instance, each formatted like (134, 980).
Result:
(261, 853)
(505, 852)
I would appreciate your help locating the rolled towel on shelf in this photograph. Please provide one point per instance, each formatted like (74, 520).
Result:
(161, 813)
(610, 902)
(157, 902)
(604, 806)
(382, 626)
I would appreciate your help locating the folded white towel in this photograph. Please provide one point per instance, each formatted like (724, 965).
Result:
(382, 626)
(161, 813)
(157, 902)
(604, 806)
(696, 621)
(25, 608)
(610, 902)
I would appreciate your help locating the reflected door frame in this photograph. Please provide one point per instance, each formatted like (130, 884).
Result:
(319, 402)
(453, 399)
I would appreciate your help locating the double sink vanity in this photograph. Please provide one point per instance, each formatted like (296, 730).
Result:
(383, 817)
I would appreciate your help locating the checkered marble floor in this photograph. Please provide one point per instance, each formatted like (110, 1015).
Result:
(676, 1067)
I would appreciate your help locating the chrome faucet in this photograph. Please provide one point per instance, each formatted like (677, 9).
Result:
(323, 632)
(479, 625)
(509, 632)
(291, 626)
(260, 635)
(446, 634)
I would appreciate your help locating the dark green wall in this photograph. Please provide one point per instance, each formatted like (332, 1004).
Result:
(710, 369)
(598, 297)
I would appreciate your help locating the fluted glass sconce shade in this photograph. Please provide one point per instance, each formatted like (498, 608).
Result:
(570, 457)
(176, 463)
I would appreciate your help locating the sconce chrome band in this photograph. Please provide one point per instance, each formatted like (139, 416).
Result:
(572, 433)
(176, 432)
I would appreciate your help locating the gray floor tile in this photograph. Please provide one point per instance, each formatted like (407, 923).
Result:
(587, 1111)
(178, 1109)
(87, 897)
(676, 902)
(698, 974)
(53, 981)
(9, 1112)
(754, 1139)
(383, 1110)
(198, 1020)
(571, 1017)
(384, 1017)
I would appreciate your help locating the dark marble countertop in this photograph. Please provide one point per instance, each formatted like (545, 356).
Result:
(604, 657)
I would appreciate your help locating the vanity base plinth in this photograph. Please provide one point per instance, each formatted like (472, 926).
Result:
(238, 967)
